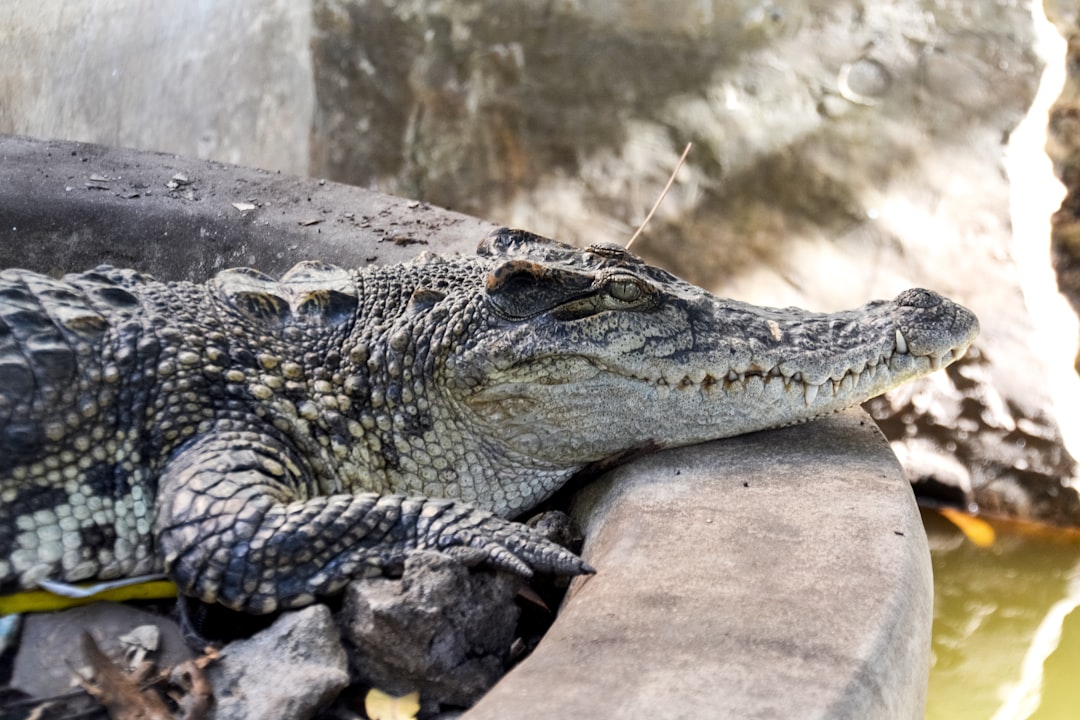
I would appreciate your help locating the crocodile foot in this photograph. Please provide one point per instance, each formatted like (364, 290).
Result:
(237, 526)
(476, 536)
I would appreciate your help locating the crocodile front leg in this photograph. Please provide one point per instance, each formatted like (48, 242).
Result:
(235, 527)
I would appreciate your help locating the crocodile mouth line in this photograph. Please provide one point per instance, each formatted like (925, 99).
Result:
(845, 382)
(881, 372)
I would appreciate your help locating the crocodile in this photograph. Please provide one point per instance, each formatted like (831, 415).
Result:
(265, 441)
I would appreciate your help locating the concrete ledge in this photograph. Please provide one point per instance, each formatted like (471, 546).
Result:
(67, 206)
(782, 574)
(777, 575)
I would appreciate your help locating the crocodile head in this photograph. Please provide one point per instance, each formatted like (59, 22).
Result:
(579, 355)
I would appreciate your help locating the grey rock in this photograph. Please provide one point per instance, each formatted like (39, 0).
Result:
(49, 648)
(1063, 147)
(289, 670)
(441, 628)
(856, 140)
(556, 526)
(963, 444)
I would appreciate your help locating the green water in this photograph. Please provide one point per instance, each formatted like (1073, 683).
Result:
(1006, 642)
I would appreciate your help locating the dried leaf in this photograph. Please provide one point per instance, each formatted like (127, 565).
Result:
(380, 706)
(195, 694)
(976, 530)
(119, 693)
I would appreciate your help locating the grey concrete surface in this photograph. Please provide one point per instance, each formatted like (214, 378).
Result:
(229, 81)
(783, 574)
(67, 206)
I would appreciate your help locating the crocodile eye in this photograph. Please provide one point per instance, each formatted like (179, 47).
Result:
(626, 290)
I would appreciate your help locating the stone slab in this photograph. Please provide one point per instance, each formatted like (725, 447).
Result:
(777, 575)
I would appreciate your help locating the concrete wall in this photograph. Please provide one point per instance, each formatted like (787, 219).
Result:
(229, 81)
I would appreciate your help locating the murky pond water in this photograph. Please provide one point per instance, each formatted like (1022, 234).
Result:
(1006, 642)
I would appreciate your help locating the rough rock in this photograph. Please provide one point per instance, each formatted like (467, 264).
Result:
(49, 648)
(1063, 146)
(289, 670)
(441, 628)
(964, 445)
(842, 151)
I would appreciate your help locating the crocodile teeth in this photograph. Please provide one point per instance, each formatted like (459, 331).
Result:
(901, 342)
(938, 361)
(732, 376)
(811, 392)
(847, 384)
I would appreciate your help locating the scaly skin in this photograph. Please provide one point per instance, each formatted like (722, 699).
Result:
(265, 441)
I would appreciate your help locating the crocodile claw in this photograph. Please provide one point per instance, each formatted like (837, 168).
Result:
(478, 537)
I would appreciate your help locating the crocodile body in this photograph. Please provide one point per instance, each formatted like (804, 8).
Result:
(265, 441)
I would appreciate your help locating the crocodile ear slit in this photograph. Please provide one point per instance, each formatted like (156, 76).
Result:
(522, 289)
